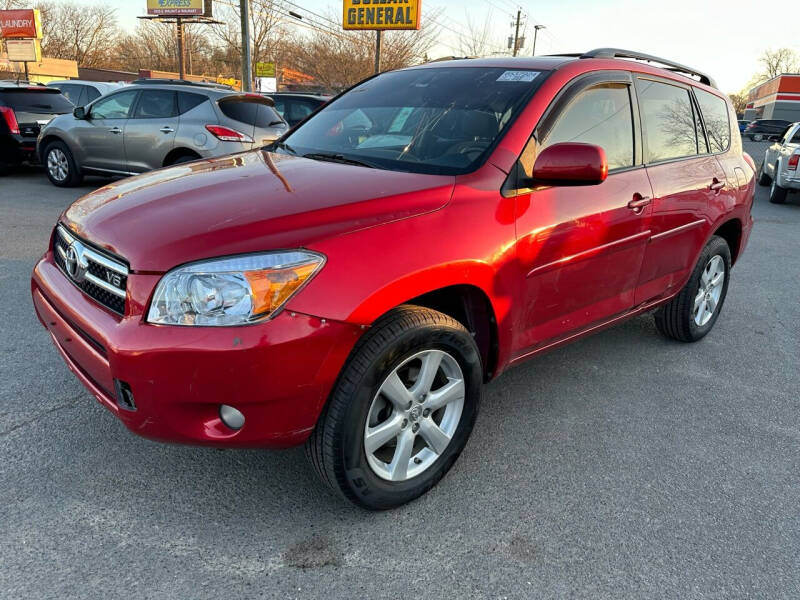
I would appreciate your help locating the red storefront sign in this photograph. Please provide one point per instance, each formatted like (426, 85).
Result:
(20, 24)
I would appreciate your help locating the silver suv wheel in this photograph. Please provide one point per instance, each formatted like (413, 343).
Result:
(57, 164)
(414, 415)
(710, 290)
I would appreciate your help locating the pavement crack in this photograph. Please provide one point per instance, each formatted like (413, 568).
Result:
(67, 404)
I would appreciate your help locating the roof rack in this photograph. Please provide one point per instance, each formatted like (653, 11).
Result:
(23, 82)
(668, 64)
(160, 81)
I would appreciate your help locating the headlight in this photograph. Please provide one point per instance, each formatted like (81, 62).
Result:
(231, 291)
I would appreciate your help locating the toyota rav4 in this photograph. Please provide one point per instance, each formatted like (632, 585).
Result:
(352, 285)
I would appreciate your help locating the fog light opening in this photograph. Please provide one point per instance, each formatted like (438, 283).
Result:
(232, 417)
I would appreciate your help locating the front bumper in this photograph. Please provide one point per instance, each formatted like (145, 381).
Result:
(277, 373)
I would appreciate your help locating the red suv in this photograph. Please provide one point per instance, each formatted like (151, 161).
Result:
(353, 285)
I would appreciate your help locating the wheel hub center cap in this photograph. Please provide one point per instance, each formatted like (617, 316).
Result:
(415, 413)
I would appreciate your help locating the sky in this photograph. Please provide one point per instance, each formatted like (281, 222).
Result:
(721, 38)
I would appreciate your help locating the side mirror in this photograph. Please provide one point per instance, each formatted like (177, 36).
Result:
(570, 164)
(79, 112)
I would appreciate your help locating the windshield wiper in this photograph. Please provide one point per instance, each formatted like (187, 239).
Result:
(338, 158)
(284, 146)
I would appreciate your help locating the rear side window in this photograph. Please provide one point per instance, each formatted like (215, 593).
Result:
(36, 101)
(187, 101)
(91, 94)
(601, 116)
(156, 104)
(668, 121)
(715, 116)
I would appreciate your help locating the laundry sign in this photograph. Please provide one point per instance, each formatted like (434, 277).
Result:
(18, 24)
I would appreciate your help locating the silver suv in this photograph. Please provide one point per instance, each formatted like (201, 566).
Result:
(152, 125)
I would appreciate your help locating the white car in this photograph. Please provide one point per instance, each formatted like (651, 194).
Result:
(780, 167)
(81, 93)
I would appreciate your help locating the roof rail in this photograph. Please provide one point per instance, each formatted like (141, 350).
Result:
(668, 64)
(160, 81)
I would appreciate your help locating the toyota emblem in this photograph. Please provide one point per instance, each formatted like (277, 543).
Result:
(73, 262)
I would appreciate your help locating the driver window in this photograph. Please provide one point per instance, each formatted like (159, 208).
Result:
(117, 106)
(601, 116)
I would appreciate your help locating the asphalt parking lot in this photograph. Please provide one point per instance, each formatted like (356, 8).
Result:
(622, 466)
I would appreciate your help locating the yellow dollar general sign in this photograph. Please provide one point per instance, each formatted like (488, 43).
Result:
(381, 14)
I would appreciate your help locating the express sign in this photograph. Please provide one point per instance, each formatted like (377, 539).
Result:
(381, 14)
(20, 24)
(175, 8)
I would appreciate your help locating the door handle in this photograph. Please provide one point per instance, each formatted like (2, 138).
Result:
(716, 185)
(638, 203)
(167, 129)
(115, 130)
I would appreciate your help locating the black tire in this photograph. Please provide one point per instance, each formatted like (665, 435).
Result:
(757, 137)
(73, 176)
(336, 447)
(763, 178)
(777, 194)
(675, 319)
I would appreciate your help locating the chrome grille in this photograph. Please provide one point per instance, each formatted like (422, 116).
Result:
(99, 275)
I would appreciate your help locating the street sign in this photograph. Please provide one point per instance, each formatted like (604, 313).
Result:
(175, 8)
(265, 69)
(268, 85)
(373, 14)
(15, 24)
(24, 50)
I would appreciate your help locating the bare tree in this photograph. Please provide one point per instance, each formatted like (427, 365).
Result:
(87, 35)
(478, 40)
(775, 62)
(267, 30)
(739, 102)
(338, 60)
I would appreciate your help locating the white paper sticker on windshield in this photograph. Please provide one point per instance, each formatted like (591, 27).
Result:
(518, 76)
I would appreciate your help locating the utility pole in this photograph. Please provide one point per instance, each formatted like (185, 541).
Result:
(378, 38)
(181, 64)
(516, 33)
(536, 29)
(247, 55)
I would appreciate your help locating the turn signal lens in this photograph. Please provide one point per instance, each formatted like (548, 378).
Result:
(271, 289)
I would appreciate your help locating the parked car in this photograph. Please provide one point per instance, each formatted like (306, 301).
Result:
(294, 107)
(81, 93)
(761, 129)
(779, 168)
(352, 285)
(743, 125)
(152, 125)
(24, 109)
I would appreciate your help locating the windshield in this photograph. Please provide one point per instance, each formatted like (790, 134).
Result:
(441, 120)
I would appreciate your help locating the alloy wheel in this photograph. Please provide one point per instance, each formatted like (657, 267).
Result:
(57, 164)
(709, 292)
(414, 415)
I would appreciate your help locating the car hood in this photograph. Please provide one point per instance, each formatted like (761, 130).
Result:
(246, 202)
